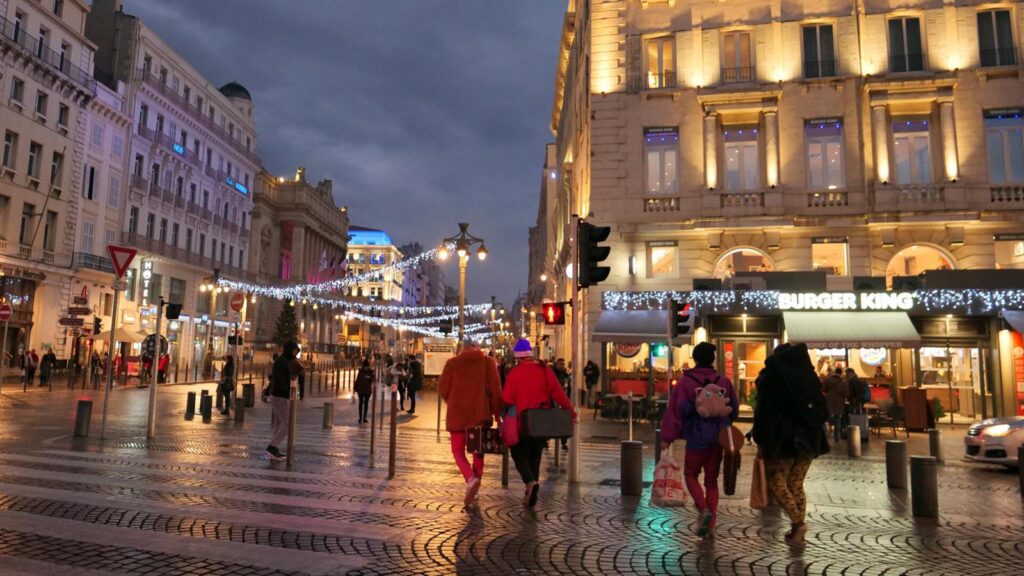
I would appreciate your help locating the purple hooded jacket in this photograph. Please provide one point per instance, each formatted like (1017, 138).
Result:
(681, 419)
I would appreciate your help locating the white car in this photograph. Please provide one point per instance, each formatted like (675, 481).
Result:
(995, 440)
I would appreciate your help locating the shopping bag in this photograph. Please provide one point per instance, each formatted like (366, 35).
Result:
(667, 490)
(731, 440)
(481, 440)
(759, 486)
(547, 423)
(510, 427)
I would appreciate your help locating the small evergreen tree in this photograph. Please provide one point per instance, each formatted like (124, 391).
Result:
(287, 329)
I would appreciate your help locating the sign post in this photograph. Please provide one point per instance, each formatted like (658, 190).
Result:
(5, 315)
(121, 257)
(238, 304)
(158, 352)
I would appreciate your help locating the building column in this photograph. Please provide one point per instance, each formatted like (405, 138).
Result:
(880, 140)
(298, 253)
(771, 147)
(947, 124)
(711, 150)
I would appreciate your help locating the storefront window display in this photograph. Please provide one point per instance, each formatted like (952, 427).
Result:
(742, 361)
(629, 366)
(953, 376)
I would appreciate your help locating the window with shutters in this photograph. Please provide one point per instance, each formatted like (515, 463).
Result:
(88, 236)
(906, 53)
(90, 183)
(995, 38)
(49, 230)
(819, 51)
(114, 192)
(912, 150)
(737, 59)
(661, 147)
(742, 159)
(661, 67)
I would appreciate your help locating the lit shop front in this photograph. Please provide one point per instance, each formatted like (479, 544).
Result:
(942, 353)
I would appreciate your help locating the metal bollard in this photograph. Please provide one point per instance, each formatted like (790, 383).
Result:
(239, 410)
(206, 407)
(83, 416)
(657, 446)
(896, 464)
(630, 416)
(383, 395)
(249, 394)
(373, 422)
(328, 415)
(393, 441)
(631, 465)
(853, 441)
(190, 406)
(935, 444)
(924, 486)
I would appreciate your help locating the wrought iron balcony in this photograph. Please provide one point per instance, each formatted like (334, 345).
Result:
(819, 68)
(16, 35)
(93, 262)
(737, 75)
(998, 56)
(906, 63)
(666, 79)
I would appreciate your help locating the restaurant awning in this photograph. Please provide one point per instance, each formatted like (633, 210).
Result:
(120, 335)
(851, 329)
(1015, 318)
(637, 326)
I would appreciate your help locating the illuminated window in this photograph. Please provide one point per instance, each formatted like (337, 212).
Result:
(662, 259)
(737, 62)
(912, 147)
(830, 255)
(825, 155)
(661, 69)
(742, 159)
(662, 151)
(1004, 136)
(917, 259)
(742, 260)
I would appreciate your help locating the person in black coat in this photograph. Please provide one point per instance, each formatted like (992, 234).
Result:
(284, 370)
(364, 389)
(789, 429)
(415, 383)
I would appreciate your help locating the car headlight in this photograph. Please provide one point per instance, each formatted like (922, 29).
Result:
(997, 431)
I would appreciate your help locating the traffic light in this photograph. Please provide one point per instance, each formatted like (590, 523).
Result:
(97, 325)
(554, 313)
(680, 318)
(173, 311)
(660, 350)
(592, 253)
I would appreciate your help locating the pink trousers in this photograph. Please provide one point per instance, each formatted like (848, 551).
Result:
(459, 452)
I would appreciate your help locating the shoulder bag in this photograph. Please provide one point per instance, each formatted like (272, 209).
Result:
(482, 439)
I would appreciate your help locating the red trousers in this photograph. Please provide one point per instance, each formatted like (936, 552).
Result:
(709, 461)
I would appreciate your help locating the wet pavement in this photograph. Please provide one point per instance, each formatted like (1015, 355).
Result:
(202, 498)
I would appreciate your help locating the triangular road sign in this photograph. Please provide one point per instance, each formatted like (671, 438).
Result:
(121, 257)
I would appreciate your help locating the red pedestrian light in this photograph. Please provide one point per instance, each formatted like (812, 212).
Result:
(554, 313)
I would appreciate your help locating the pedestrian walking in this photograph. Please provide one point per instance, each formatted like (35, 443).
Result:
(591, 374)
(415, 382)
(397, 378)
(285, 370)
(227, 383)
(789, 429)
(470, 386)
(836, 393)
(528, 386)
(46, 367)
(565, 381)
(857, 390)
(30, 363)
(364, 389)
(699, 407)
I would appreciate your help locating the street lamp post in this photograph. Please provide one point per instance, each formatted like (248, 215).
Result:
(214, 289)
(463, 241)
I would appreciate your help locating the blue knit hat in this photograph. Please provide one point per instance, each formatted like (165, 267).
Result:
(523, 349)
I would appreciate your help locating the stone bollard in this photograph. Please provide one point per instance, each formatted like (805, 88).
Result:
(239, 410)
(935, 444)
(657, 446)
(83, 416)
(631, 467)
(249, 394)
(190, 406)
(924, 486)
(206, 407)
(328, 415)
(896, 464)
(853, 441)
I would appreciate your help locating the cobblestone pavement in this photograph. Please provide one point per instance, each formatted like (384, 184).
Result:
(203, 499)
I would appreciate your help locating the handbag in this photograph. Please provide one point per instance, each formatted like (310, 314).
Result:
(547, 422)
(482, 439)
(731, 440)
(667, 490)
(510, 427)
(759, 486)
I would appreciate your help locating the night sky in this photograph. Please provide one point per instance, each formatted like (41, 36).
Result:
(424, 113)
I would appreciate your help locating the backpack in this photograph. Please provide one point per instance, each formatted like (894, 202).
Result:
(712, 400)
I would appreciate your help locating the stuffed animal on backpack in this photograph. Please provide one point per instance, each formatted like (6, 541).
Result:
(712, 401)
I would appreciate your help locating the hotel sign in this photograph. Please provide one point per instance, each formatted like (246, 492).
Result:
(846, 301)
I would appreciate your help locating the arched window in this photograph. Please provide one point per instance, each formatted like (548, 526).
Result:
(742, 260)
(916, 259)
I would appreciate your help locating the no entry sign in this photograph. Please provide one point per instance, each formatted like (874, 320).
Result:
(5, 312)
(237, 301)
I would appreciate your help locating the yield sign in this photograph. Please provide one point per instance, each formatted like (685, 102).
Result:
(121, 257)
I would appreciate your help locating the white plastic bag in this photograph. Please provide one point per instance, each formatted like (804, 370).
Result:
(668, 490)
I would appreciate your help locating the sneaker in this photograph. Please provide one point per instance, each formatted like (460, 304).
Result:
(704, 523)
(472, 487)
(274, 453)
(533, 495)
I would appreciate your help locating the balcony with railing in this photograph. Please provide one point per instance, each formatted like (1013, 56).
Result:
(828, 199)
(168, 198)
(91, 261)
(218, 221)
(1008, 196)
(139, 183)
(991, 57)
(193, 209)
(906, 63)
(155, 191)
(662, 204)
(207, 215)
(737, 75)
(16, 36)
(179, 202)
(819, 68)
(657, 80)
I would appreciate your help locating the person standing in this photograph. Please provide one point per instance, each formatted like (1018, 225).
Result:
(364, 388)
(415, 382)
(565, 381)
(227, 383)
(789, 429)
(528, 386)
(470, 386)
(835, 398)
(31, 362)
(856, 389)
(398, 378)
(591, 373)
(46, 367)
(683, 419)
(284, 371)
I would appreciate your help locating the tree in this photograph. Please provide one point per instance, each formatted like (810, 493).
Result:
(287, 329)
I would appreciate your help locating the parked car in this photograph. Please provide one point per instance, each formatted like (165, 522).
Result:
(995, 440)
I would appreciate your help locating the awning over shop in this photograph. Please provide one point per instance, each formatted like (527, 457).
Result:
(633, 326)
(1015, 318)
(851, 329)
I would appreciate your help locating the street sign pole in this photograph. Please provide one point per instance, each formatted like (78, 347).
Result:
(118, 286)
(154, 372)
(5, 310)
(577, 357)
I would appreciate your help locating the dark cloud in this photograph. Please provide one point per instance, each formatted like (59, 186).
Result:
(425, 113)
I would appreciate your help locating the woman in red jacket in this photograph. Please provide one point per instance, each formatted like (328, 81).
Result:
(531, 385)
